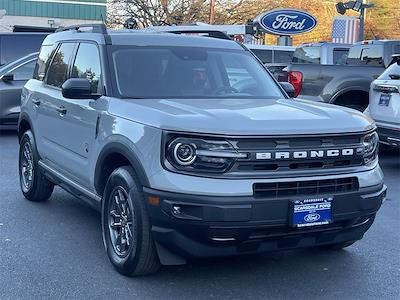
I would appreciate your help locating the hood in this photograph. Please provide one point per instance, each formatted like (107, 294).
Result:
(242, 116)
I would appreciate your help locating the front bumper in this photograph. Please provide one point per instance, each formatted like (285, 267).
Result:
(210, 226)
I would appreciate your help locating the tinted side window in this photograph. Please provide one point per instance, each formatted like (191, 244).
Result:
(43, 61)
(339, 56)
(14, 46)
(373, 55)
(87, 65)
(58, 69)
(307, 55)
(281, 56)
(24, 72)
(396, 49)
(366, 55)
(264, 55)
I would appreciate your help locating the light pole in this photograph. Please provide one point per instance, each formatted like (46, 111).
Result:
(358, 6)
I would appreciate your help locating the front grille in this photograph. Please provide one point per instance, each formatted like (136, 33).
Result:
(309, 188)
(252, 165)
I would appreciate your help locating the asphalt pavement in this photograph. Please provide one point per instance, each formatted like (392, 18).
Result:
(54, 250)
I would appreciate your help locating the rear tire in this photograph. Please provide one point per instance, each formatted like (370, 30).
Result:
(338, 246)
(126, 225)
(34, 185)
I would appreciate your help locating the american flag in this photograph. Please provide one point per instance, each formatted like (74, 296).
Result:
(345, 30)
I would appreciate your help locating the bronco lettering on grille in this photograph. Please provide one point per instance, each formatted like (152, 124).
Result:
(305, 154)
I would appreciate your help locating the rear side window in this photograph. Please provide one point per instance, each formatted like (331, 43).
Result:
(87, 65)
(307, 55)
(366, 55)
(283, 56)
(43, 61)
(339, 56)
(264, 55)
(24, 72)
(58, 70)
(14, 46)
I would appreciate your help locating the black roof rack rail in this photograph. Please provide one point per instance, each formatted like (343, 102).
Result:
(96, 28)
(211, 33)
(179, 30)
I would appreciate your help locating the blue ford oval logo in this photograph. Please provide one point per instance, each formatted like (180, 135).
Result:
(286, 21)
(312, 218)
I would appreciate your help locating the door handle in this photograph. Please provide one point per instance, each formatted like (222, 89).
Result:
(61, 110)
(36, 102)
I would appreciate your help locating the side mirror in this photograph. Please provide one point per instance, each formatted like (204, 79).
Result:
(288, 88)
(7, 77)
(78, 88)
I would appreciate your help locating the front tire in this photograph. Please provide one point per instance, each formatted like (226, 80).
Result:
(126, 225)
(34, 185)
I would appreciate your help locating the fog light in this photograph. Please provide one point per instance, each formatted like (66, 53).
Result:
(176, 210)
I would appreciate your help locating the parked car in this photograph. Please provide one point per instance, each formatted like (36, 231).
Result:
(14, 45)
(346, 85)
(275, 58)
(322, 53)
(384, 104)
(13, 77)
(186, 159)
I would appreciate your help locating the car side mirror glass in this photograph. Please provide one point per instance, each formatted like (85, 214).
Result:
(78, 88)
(7, 77)
(288, 88)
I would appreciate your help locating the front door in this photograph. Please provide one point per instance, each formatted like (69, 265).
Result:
(79, 118)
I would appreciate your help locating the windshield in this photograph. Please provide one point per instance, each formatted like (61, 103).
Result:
(190, 72)
(307, 55)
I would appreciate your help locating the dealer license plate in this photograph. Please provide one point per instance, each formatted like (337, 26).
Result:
(384, 99)
(312, 212)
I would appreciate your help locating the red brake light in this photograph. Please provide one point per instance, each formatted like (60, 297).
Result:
(296, 79)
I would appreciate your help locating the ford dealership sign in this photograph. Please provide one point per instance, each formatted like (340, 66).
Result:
(286, 21)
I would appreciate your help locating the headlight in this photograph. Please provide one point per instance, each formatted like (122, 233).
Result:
(370, 147)
(200, 155)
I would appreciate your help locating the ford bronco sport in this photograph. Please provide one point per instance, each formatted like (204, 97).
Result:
(191, 149)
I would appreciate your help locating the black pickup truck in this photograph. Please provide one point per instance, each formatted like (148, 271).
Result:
(347, 84)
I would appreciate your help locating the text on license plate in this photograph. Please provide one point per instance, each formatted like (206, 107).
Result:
(312, 212)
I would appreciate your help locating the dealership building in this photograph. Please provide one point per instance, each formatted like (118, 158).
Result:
(50, 13)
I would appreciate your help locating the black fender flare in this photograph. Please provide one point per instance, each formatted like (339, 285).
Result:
(122, 149)
(24, 117)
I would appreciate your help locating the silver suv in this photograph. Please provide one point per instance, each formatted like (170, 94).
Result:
(190, 148)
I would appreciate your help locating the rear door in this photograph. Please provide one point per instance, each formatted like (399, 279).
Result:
(10, 91)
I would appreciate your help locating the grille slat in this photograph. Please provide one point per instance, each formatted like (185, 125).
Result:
(309, 188)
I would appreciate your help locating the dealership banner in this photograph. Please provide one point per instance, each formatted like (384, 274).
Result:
(345, 30)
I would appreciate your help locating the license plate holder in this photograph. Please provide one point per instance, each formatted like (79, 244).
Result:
(311, 212)
(384, 99)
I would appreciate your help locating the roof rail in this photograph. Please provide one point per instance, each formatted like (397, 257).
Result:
(191, 29)
(211, 33)
(96, 28)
